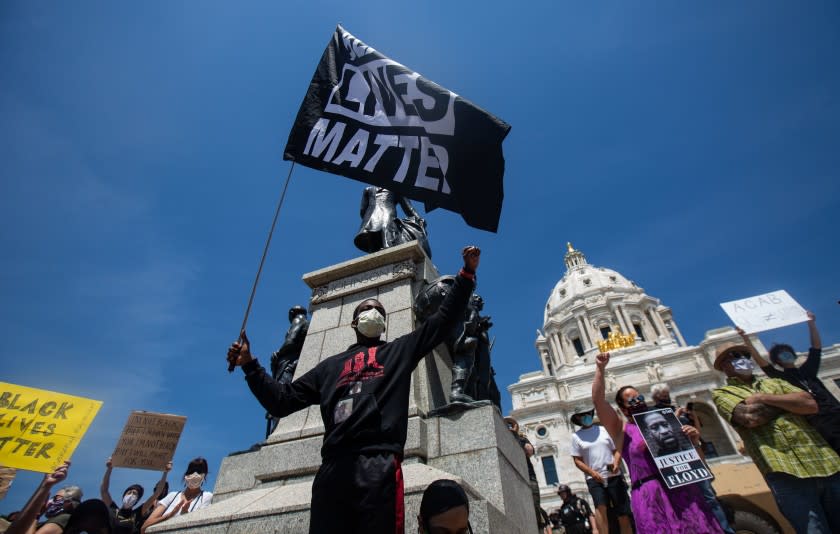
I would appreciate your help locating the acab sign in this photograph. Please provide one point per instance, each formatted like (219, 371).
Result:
(765, 312)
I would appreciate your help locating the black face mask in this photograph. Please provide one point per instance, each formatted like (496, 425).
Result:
(637, 408)
(664, 403)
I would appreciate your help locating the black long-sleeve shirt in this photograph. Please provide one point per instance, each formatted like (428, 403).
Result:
(364, 391)
(805, 377)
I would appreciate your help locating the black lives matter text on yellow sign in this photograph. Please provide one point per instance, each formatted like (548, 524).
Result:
(148, 440)
(40, 429)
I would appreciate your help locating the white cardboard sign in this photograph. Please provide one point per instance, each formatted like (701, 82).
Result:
(765, 312)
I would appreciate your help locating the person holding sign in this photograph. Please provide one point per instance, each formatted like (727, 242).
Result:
(129, 519)
(26, 519)
(801, 469)
(827, 418)
(656, 509)
(363, 393)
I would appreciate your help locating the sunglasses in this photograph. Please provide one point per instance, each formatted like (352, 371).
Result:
(635, 400)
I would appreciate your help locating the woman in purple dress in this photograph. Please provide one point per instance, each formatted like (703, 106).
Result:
(656, 509)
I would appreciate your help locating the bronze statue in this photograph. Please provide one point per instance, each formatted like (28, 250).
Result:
(461, 342)
(382, 229)
(285, 359)
(481, 383)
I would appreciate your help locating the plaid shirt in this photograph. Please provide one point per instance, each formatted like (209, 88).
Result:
(787, 443)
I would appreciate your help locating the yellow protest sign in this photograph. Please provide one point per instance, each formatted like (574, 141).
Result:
(148, 440)
(39, 429)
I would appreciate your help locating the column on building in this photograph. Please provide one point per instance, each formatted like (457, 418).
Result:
(594, 336)
(657, 328)
(627, 320)
(545, 358)
(562, 353)
(622, 324)
(677, 331)
(661, 323)
(647, 326)
(555, 349)
(571, 353)
(584, 333)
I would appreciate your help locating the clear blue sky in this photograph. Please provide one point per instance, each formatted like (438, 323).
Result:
(692, 147)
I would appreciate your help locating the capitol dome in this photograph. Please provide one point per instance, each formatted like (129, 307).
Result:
(582, 280)
(595, 304)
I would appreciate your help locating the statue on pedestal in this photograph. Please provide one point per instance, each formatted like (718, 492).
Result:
(468, 343)
(382, 229)
(285, 359)
(481, 381)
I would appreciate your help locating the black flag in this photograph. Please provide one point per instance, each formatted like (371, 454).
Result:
(369, 118)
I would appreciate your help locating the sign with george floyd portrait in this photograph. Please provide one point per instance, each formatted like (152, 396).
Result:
(367, 117)
(678, 462)
(39, 429)
(148, 440)
(765, 312)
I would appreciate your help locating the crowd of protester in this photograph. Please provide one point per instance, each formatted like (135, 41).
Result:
(787, 421)
(65, 512)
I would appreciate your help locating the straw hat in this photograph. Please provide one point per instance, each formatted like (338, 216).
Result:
(728, 349)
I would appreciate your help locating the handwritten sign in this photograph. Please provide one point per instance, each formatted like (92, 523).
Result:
(148, 440)
(678, 462)
(7, 475)
(765, 312)
(39, 429)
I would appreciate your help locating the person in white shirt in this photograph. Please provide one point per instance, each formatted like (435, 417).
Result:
(594, 453)
(190, 499)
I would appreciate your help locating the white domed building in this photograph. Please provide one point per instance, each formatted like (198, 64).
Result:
(591, 304)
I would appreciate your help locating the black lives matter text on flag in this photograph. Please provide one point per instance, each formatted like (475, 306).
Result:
(678, 462)
(372, 119)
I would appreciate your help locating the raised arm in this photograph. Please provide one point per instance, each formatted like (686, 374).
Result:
(104, 490)
(157, 493)
(606, 413)
(25, 521)
(434, 330)
(816, 342)
(759, 361)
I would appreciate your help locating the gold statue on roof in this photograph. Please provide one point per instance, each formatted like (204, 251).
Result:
(616, 340)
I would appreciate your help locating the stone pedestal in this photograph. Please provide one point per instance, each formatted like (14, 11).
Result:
(269, 490)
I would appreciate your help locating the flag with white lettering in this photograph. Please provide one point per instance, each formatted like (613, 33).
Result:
(372, 119)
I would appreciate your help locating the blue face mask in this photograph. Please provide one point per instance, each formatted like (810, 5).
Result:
(586, 420)
(786, 357)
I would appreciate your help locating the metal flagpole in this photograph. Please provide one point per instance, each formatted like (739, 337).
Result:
(231, 366)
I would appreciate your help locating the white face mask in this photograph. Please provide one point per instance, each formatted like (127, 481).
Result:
(743, 367)
(371, 323)
(194, 480)
(129, 500)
